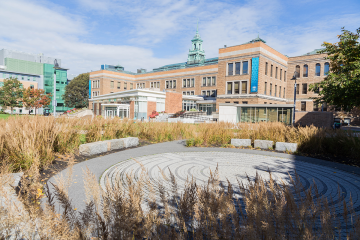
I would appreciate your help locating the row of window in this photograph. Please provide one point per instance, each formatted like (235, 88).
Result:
(203, 93)
(19, 77)
(95, 93)
(317, 70)
(170, 84)
(276, 88)
(96, 84)
(277, 72)
(238, 68)
(140, 85)
(119, 85)
(236, 87)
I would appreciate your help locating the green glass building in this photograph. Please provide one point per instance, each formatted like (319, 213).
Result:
(18, 63)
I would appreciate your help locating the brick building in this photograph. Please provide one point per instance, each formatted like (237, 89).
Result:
(250, 73)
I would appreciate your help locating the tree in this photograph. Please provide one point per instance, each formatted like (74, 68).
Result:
(341, 87)
(36, 98)
(11, 93)
(77, 92)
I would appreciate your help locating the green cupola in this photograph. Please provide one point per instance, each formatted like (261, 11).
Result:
(196, 53)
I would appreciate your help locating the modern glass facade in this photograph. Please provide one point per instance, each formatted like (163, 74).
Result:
(254, 114)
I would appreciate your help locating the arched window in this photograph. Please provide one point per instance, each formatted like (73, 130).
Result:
(297, 69)
(326, 68)
(306, 70)
(317, 69)
(194, 46)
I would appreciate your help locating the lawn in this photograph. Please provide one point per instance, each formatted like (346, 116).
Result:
(6, 116)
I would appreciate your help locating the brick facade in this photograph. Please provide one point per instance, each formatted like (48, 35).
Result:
(151, 106)
(173, 102)
(318, 119)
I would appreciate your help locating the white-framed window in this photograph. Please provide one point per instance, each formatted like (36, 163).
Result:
(154, 84)
(118, 85)
(209, 81)
(112, 84)
(237, 87)
(208, 93)
(96, 84)
(188, 82)
(188, 93)
(125, 86)
(238, 68)
(131, 86)
(140, 85)
(170, 84)
(95, 93)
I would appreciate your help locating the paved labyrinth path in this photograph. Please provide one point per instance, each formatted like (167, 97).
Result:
(233, 166)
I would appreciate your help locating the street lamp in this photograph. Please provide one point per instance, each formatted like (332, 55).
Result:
(294, 78)
(56, 66)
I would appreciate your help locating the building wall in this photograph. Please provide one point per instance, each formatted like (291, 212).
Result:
(318, 119)
(151, 106)
(173, 102)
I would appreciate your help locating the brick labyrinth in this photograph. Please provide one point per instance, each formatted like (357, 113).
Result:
(237, 165)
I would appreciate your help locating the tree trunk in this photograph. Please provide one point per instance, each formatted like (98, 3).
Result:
(35, 111)
(11, 109)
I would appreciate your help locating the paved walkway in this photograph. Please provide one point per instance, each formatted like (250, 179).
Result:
(233, 163)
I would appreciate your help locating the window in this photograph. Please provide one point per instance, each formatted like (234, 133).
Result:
(303, 106)
(297, 88)
(208, 82)
(95, 93)
(237, 87)
(284, 76)
(154, 84)
(266, 68)
(265, 102)
(229, 88)
(271, 70)
(265, 89)
(125, 86)
(227, 102)
(297, 69)
(230, 69)
(243, 87)
(204, 81)
(189, 93)
(112, 84)
(170, 84)
(140, 85)
(245, 102)
(304, 88)
(118, 85)
(131, 86)
(276, 72)
(280, 74)
(236, 102)
(96, 84)
(22, 78)
(306, 71)
(317, 69)
(213, 81)
(245, 67)
(237, 68)
(326, 68)
(284, 93)
(270, 89)
(32, 87)
(188, 83)
(280, 91)
(275, 90)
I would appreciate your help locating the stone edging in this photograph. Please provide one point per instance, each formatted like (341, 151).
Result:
(94, 148)
(265, 144)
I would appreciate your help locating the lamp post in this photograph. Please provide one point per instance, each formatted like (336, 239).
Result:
(294, 78)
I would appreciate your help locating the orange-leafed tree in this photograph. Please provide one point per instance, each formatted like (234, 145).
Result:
(36, 98)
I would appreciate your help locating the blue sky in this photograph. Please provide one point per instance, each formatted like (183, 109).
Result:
(152, 33)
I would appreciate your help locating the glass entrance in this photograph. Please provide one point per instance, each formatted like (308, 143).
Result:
(208, 108)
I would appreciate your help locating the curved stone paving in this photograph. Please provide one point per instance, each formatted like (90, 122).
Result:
(233, 166)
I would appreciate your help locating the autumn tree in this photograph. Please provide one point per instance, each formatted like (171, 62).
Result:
(11, 94)
(341, 87)
(77, 92)
(36, 98)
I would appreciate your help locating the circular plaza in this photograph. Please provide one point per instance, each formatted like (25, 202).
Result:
(233, 166)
